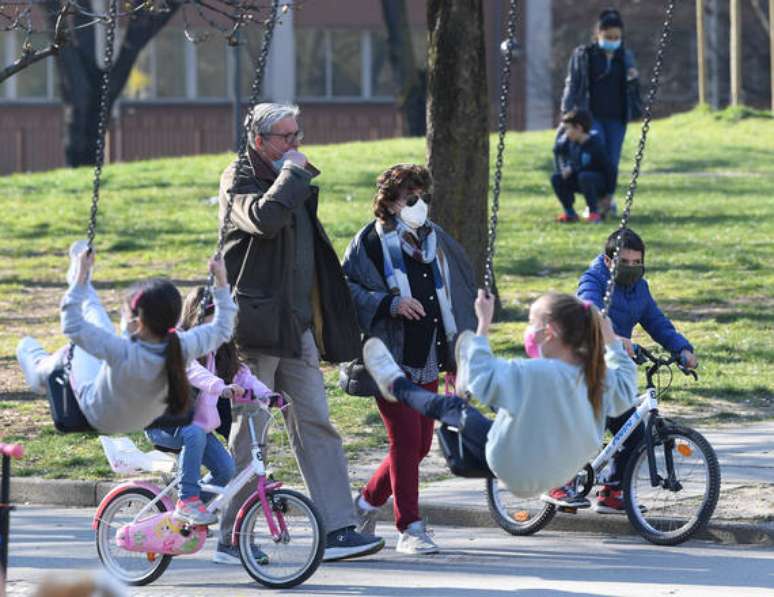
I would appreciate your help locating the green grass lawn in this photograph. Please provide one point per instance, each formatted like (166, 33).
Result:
(705, 208)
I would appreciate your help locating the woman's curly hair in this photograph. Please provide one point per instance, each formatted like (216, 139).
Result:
(396, 179)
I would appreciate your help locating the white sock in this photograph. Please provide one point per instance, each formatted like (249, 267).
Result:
(364, 505)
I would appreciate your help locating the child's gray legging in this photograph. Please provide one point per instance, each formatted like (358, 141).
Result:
(451, 410)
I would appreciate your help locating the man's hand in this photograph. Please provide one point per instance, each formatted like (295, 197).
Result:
(566, 172)
(484, 306)
(632, 74)
(410, 308)
(295, 156)
(233, 391)
(690, 360)
(218, 270)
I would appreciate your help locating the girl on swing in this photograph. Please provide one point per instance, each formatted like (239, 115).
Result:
(123, 383)
(551, 410)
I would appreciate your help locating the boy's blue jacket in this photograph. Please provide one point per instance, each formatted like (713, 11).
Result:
(630, 306)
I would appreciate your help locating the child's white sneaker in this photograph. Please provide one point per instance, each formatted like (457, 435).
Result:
(193, 511)
(416, 540)
(76, 250)
(381, 366)
(30, 355)
(461, 351)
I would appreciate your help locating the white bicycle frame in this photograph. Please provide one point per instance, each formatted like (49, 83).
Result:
(648, 404)
(225, 494)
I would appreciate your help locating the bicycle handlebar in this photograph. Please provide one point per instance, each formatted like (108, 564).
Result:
(642, 355)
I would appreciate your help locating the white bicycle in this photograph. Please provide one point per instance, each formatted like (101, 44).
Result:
(670, 486)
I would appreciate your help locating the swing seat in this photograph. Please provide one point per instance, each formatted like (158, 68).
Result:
(460, 460)
(68, 417)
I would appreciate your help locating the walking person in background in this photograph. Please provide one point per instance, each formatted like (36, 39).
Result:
(602, 78)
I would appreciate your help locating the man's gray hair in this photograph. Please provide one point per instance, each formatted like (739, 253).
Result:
(265, 116)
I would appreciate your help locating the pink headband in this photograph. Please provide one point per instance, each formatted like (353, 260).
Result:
(587, 305)
(135, 300)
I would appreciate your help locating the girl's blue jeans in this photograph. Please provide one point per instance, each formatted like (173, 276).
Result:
(612, 131)
(198, 447)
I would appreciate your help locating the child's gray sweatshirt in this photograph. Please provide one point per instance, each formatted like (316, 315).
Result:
(130, 390)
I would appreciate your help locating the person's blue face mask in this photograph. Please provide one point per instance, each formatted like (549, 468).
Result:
(608, 45)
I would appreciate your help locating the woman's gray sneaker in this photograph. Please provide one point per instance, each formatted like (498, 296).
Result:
(366, 519)
(461, 352)
(30, 354)
(416, 540)
(348, 543)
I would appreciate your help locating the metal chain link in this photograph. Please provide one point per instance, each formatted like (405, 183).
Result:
(508, 48)
(655, 76)
(102, 125)
(242, 161)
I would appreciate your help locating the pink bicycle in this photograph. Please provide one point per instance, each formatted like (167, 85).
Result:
(279, 532)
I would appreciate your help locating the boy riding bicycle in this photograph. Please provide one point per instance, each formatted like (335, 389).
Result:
(632, 304)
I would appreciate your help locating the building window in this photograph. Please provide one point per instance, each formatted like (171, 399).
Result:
(171, 70)
(211, 68)
(37, 81)
(339, 64)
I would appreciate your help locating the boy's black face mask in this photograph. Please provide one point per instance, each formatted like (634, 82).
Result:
(629, 275)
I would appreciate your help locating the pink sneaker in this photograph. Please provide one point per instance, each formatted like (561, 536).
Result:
(193, 511)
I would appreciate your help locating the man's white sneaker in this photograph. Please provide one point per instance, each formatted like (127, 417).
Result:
(381, 366)
(415, 540)
(461, 351)
(76, 250)
(30, 353)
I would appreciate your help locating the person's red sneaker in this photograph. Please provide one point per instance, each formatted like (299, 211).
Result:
(594, 218)
(609, 501)
(566, 219)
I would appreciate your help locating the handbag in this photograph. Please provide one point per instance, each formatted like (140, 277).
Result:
(459, 460)
(355, 380)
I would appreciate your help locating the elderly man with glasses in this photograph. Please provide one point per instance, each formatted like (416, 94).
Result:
(294, 308)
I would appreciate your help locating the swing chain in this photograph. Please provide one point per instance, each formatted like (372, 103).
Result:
(508, 48)
(243, 160)
(102, 124)
(650, 101)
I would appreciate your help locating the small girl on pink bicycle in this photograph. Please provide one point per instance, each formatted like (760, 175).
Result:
(217, 375)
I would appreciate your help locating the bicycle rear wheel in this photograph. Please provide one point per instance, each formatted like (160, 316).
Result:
(133, 568)
(293, 557)
(669, 515)
(516, 515)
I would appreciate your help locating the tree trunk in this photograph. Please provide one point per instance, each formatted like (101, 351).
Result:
(410, 81)
(80, 77)
(457, 123)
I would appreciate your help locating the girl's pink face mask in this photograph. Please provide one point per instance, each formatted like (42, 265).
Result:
(531, 346)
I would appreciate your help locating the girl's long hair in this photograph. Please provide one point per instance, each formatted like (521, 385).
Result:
(157, 303)
(227, 361)
(580, 328)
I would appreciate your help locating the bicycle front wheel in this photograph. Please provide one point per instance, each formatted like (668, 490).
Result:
(289, 560)
(675, 509)
(515, 515)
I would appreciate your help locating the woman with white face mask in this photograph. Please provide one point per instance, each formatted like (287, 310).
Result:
(413, 287)
(602, 78)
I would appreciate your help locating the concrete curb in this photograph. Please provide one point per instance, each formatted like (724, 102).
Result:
(740, 532)
(87, 494)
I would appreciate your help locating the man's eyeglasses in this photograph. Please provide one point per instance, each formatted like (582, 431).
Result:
(411, 200)
(289, 138)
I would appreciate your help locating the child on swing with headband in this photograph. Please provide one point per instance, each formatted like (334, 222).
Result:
(123, 383)
(551, 409)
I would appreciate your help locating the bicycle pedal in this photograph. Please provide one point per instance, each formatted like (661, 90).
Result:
(568, 510)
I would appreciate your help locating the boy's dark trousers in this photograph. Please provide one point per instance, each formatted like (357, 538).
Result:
(591, 184)
(621, 458)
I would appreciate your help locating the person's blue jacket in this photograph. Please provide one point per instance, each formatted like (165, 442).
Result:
(630, 306)
(589, 156)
